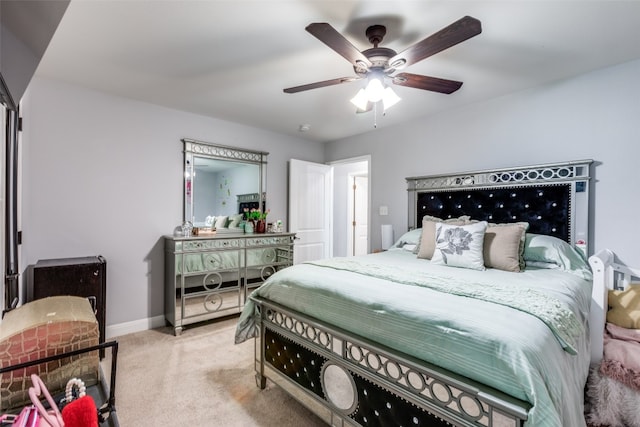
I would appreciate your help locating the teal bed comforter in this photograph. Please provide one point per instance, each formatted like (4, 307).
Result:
(525, 334)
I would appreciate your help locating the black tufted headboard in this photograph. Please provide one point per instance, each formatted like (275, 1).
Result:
(552, 198)
(250, 201)
(547, 208)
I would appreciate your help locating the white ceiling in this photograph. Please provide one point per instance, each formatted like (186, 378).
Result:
(231, 59)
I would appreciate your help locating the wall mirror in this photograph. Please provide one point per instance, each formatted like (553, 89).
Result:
(221, 181)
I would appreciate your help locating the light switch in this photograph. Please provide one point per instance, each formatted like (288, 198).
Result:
(384, 210)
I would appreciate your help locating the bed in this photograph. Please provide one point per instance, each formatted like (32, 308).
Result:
(397, 339)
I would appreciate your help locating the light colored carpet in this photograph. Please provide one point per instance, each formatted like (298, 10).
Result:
(200, 378)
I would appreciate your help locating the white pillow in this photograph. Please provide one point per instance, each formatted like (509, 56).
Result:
(460, 245)
(209, 221)
(411, 237)
(234, 220)
(426, 244)
(221, 221)
(541, 248)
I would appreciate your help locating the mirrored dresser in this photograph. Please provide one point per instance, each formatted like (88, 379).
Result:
(213, 276)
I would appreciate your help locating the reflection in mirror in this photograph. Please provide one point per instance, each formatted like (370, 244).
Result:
(219, 182)
(339, 387)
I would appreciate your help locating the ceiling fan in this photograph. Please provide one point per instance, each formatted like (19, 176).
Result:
(378, 64)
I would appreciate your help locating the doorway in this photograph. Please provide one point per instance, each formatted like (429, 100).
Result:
(323, 207)
(358, 235)
(351, 210)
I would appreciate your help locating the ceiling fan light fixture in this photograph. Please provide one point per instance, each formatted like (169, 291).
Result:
(360, 100)
(374, 89)
(390, 98)
(378, 64)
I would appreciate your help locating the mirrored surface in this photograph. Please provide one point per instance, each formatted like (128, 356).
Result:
(220, 182)
(339, 387)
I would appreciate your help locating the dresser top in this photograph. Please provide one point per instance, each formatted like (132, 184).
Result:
(69, 261)
(229, 241)
(226, 236)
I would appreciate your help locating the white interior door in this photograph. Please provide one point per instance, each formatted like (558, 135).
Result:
(358, 230)
(310, 207)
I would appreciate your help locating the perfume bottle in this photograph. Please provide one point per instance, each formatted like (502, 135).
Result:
(187, 226)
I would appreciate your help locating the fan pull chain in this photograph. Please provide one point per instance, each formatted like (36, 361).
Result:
(375, 115)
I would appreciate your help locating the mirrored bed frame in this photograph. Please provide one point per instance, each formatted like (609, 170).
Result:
(351, 380)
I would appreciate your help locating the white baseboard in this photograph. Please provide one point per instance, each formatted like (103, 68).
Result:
(134, 326)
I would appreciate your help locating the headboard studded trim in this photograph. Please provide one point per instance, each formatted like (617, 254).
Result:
(547, 209)
(545, 196)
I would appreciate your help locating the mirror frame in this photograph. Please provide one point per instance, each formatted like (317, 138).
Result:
(193, 148)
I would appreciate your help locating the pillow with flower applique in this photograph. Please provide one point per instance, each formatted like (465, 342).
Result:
(460, 245)
(427, 243)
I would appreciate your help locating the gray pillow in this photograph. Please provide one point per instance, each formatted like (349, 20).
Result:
(504, 246)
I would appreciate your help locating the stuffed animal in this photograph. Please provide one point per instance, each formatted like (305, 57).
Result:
(624, 307)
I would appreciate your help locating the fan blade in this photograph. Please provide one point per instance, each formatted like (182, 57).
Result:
(433, 84)
(336, 41)
(320, 84)
(459, 31)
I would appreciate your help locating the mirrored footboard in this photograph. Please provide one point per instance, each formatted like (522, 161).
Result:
(349, 380)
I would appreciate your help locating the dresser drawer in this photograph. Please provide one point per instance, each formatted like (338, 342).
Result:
(210, 303)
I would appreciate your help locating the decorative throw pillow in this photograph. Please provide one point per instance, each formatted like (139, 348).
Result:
(234, 220)
(460, 245)
(625, 307)
(427, 243)
(504, 246)
(221, 221)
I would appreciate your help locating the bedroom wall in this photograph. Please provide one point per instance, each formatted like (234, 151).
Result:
(592, 116)
(103, 175)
